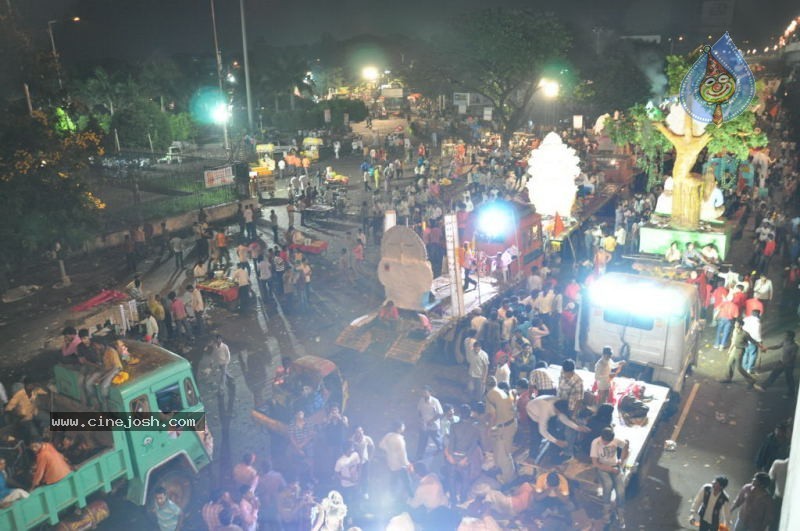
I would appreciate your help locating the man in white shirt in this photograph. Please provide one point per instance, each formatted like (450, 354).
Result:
(250, 226)
(346, 469)
(478, 362)
(711, 506)
(777, 473)
(242, 278)
(220, 359)
(610, 463)
(534, 280)
(762, 290)
(393, 445)
(543, 408)
(430, 413)
(198, 306)
(752, 325)
(604, 370)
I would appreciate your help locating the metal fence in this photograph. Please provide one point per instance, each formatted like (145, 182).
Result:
(136, 189)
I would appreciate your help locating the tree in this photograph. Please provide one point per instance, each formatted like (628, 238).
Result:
(648, 131)
(502, 55)
(602, 86)
(280, 72)
(43, 197)
(142, 118)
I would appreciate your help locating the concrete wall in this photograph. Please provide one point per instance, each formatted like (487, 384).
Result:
(174, 223)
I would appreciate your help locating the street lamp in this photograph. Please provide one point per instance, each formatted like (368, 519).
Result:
(550, 88)
(370, 73)
(221, 114)
(50, 24)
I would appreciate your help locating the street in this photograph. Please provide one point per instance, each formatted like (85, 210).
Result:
(723, 426)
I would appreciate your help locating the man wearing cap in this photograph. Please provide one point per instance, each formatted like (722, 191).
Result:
(503, 426)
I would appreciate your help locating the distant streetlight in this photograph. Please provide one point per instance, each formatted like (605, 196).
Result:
(370, 73)
(550, 88)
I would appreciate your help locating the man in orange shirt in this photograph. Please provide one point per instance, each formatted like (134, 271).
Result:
(753, 304)
(51, 466)
(727, 313)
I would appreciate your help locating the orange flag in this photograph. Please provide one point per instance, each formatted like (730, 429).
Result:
(558, 225)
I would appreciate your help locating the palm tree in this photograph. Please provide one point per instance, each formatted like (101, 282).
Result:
(285, 73)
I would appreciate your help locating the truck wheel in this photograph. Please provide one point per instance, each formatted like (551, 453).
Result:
(177, 483)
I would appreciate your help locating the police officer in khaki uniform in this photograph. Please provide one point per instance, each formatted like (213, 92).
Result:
(501, 410)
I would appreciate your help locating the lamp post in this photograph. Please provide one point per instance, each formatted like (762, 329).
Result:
(246, 69)
(550, 89)
(55, 52)
(218, 55)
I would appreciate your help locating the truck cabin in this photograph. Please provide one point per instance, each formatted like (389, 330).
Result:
(650, 322)
(158, 381)
(501, 226)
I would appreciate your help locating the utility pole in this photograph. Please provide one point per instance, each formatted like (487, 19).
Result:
(219, 73)
(246, 69)
(55, 52)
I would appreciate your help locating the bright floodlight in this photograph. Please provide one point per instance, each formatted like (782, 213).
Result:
(550, 88)
(370, 73)
(220, 113)
(495, 222)
(640, 298)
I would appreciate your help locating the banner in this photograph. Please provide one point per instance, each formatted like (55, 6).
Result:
(218, 177)
(453, 267)
(327, 113)
(487, 114)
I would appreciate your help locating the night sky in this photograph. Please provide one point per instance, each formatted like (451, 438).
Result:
(135, 29)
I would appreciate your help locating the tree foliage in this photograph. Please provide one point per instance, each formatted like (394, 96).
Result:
(140, 118)
(612, 81)
(636, 128)
(43, 197)
(502, 55)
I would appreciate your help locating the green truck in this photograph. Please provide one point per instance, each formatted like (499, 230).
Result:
(161, 381)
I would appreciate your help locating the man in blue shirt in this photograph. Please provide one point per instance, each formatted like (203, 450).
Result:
(8, 495)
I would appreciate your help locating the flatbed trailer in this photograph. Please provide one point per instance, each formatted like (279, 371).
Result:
(405, 345)
(638, 435)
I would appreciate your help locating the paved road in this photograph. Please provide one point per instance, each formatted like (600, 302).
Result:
(383, 390)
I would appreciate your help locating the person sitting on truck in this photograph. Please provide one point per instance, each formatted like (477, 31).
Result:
(74, 448)
(21, 405)
(108, 363)
(691, 258)
(388, 315)
(673, 254)
(51, 467)
(9, 494)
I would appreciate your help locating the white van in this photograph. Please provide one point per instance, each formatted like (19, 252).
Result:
(649, 322)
